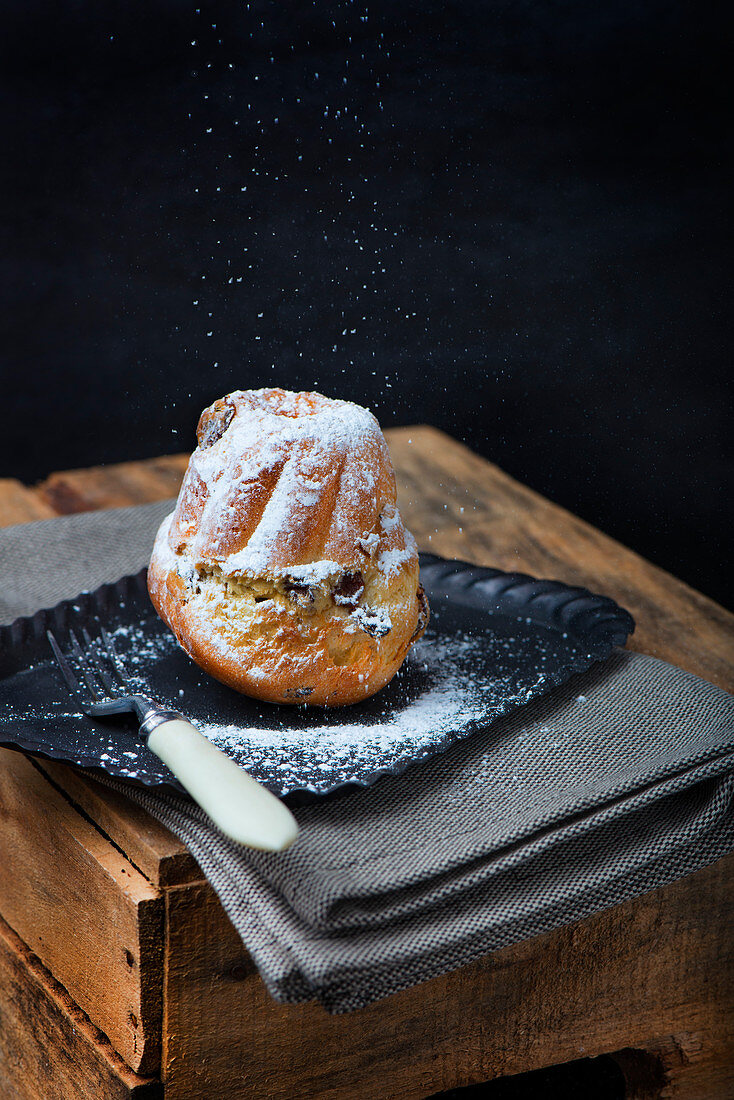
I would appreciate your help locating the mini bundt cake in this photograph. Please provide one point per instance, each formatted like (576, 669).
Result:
(285, 570)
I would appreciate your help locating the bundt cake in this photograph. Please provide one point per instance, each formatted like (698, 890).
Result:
(285, 570)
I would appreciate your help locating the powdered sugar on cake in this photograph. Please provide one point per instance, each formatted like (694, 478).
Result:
(283, 468)
(279, 465)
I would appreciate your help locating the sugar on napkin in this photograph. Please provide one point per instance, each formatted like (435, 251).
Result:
(616, 783)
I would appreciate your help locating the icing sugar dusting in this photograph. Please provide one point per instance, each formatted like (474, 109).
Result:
(451, 684)
(324, 754)
(431, 702)
(278, 456)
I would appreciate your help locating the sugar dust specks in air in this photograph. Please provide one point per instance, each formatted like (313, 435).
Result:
(285, 163)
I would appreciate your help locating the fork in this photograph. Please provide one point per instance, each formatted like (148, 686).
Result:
(237, 804)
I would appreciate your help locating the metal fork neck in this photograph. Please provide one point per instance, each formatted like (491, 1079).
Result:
(142, 705)
(156, 716)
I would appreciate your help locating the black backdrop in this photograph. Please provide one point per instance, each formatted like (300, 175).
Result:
(507, 219)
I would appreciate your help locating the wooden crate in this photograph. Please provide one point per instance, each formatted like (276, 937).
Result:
(188, 1008)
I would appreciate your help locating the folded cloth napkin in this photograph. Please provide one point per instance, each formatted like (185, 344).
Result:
(617, 782)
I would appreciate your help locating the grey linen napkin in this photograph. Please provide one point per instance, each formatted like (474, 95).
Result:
(616, 783)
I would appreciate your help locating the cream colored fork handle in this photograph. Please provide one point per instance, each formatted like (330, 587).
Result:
(238, 805)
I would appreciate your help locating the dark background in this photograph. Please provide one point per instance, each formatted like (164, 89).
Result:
(507, 219)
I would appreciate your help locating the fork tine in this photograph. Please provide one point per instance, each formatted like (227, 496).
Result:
(112, 654)
(82, 662)
(63, 664)
(92, 653)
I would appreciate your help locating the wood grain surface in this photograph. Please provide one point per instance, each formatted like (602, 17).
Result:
(112, 486)
(92, 919)
(158, 854)
(651, 981)
(49, 1048)
(21, 505)
(654, 975)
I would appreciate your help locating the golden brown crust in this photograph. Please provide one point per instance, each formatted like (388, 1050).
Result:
(285, 659)
(285, 571)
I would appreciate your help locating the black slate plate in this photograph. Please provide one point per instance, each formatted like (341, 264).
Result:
(496, 640)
